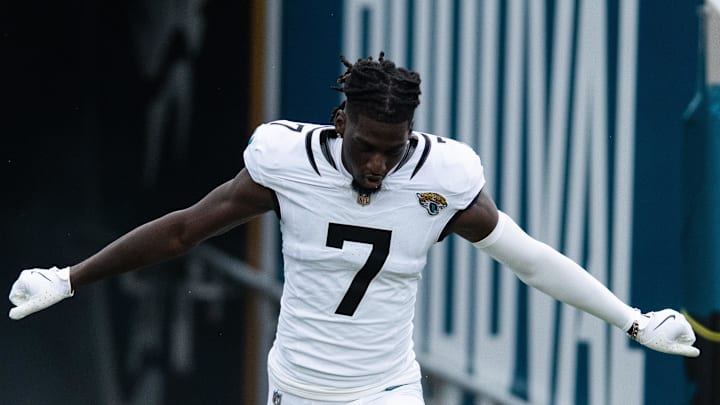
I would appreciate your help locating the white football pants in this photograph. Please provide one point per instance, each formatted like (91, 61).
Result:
(409, 394)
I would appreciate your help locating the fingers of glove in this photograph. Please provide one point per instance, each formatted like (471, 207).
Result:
(35, 303)
(661, 344)
(19, 291)
(688, 351)
(684, 334)
(20, 312)
(26, 309)
(683, 337)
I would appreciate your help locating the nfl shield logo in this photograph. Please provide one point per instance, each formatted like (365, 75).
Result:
(363, 199)
(277, 397)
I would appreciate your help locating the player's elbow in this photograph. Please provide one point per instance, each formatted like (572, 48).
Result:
(179, 246)
(179, 237)
(185, 241)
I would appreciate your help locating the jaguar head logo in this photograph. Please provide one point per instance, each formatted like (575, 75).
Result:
(432, 202)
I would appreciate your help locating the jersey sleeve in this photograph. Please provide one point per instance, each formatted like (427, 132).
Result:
(257, 153)
(271, 151)
(463, 174)
(475, 174)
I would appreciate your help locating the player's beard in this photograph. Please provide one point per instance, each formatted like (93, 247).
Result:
(362, 190)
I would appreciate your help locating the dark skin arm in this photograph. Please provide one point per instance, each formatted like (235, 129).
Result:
(227, 206)
(476, 221)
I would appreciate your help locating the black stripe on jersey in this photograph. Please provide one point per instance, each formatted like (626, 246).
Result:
(308, 142)
(308, 150)
(325, 148)
(424, 155)
(408, 153)
(297, 128)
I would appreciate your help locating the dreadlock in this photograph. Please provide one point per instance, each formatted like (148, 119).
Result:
(379, 89)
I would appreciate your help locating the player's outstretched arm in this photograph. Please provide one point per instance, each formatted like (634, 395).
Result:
(551, 272)
(227, 206)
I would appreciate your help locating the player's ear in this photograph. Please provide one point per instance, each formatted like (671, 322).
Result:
(339, 119)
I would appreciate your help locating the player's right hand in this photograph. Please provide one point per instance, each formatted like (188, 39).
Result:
(37, 289)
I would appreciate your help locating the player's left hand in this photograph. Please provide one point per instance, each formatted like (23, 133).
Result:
(666, 331)
(38, 289)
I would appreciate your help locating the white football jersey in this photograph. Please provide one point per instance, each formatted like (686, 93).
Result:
(351, 270)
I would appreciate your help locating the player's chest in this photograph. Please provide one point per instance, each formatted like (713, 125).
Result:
(401, 224)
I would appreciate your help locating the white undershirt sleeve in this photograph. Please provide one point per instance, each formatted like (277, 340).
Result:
(551, 272)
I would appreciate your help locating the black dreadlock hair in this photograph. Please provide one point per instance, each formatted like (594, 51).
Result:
(379, 89)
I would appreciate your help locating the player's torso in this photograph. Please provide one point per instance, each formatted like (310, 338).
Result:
(351, 269)
(328, 235)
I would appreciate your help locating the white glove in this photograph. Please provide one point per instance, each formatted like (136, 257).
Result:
(37, 289)
(666, 331)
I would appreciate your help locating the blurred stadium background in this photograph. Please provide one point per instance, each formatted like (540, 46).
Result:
(598, 122)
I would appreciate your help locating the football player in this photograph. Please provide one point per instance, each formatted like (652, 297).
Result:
(360, 202)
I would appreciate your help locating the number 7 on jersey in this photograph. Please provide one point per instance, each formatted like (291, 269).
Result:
(380, 241)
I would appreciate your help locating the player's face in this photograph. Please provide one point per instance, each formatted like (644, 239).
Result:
(371, 148)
